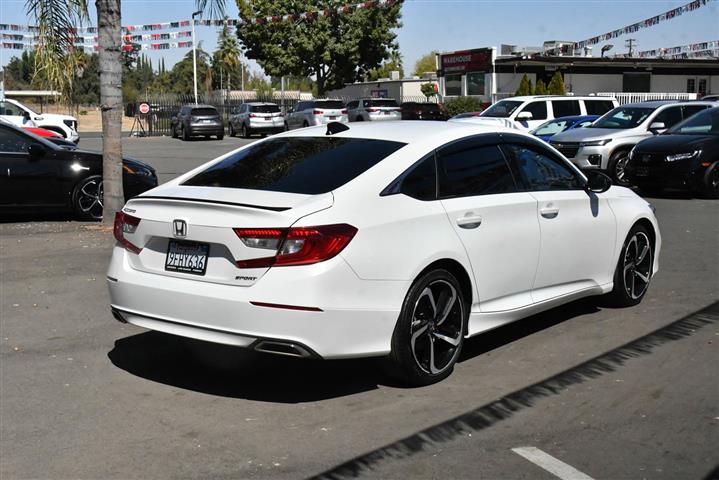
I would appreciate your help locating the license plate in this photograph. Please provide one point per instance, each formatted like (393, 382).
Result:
(387, 113)
(641, 171)
(207, 121)
(332, 118)
(187, 257)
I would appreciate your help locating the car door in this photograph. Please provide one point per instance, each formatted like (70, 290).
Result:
(578, 229)
(26, 179)
(496, 222)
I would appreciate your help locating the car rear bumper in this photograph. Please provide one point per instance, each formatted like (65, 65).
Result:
(351, 317)
(267, 126)
(385, 118)
(210, 129)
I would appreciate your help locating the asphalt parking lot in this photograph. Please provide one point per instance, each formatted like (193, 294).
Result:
(607, 393)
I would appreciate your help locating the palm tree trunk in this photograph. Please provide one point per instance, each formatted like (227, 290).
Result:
(110, 42)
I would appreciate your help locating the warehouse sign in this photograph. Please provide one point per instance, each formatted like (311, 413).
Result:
(477, 60)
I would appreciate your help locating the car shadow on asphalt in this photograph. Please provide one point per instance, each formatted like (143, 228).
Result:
(240, 373)
(28, 217)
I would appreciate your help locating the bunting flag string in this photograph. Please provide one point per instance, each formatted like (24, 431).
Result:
(696, 49)
(94, 48)
(310, 15)
(649, 22)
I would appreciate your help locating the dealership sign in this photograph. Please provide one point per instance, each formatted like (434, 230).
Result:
(477, 60)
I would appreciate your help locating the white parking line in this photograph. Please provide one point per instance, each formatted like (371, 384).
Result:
(551, 464)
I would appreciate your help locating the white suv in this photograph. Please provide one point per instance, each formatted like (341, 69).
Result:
(527, 113)
(373, 110)
(606, 143)
(22, 115)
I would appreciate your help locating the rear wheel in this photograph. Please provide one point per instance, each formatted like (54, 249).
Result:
(711, 182)
(305, 124)
(618, 168)
(87, 198)
(429, 334)
(220, 136)
(634, 269)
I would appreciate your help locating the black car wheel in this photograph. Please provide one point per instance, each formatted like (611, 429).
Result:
(87, 198)
(618, 168)
(430, 330)
(634, 269)
(220, 136)
(711, 181)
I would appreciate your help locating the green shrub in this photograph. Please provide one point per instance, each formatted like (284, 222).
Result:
(83, 112)
(459, 105)
(556, 85)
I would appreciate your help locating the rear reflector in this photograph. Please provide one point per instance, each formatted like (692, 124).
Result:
(287, 307)
(125, 223)
(295, 246)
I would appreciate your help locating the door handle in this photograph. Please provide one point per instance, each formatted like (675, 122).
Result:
(550, 211)
(470, 220)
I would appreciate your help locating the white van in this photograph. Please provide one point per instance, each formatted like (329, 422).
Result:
(527, 113)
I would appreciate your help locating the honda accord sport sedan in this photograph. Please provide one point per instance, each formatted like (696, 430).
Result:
(393, 239)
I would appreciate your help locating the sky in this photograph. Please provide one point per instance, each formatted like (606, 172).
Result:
(448, 25)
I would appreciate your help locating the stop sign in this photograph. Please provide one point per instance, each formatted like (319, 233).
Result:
(144, 108)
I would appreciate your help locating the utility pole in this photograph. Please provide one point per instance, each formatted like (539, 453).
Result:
(631, 43)
(194, 54)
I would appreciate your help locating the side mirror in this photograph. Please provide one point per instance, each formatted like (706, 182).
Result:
(657, 127)
(36, 151)
(523, 116)
(597, 182)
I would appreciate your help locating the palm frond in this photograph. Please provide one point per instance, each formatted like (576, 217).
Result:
(214, 9)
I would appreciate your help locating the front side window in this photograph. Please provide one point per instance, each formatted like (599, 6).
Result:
(669, 117)
(453, 85)
(537, 109)
(306, 165)
(541, 170)
(11, 109)
(465, 170)
(14, 142)
(623, 117)
(565, 108)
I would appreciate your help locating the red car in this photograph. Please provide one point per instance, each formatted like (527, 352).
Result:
(41, 132)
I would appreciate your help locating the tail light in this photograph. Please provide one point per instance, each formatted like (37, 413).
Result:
(418, 112)
(318, 112)
(295, 246)
(373, 110)
(125, 223)
(282, 114)
(253, 115)
(344, 111)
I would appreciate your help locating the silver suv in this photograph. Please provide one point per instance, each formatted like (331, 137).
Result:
(315, 112)
(257, 117)
(373, 109)
(606, 143)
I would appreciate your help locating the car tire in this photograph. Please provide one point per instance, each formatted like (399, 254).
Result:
(246, 132)
(617, 168)
(221, 136)
(232, 130)
(287, 127)
(305, 124)
(359, 119)
(634, 269)
(87, 198)
(710, 187)
(429, 334)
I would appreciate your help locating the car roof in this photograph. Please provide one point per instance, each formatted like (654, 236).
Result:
(524, 98)
(199, 106)
(259, 103)
(407, 132)
(661, 103)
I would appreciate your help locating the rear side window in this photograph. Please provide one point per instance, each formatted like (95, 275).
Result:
(264, 108)
(473, 170)
(421, 182)
(307, 165)
(690, 110)
(542, 171)
(537, 109)
(204, 111)
(598, 107)
(329, 104)
(565, 108)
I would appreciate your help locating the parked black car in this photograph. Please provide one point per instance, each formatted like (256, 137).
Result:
(39, 176)
(421, 111)
(686, 156)
(196, 120)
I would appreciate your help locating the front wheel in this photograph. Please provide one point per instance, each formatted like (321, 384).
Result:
(634, 269)
(711, 182)
(429, 333)
(87, 198)
(618, 168)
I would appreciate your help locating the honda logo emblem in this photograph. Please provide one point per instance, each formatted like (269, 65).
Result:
(179, 228)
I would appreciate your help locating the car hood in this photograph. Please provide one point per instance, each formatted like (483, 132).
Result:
(587, 134)
(490, 121)
(678, 143)
(56, 116)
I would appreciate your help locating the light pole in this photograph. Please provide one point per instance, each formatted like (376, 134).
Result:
(194, 53)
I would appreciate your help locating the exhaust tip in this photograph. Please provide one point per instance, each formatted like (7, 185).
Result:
(283, 348)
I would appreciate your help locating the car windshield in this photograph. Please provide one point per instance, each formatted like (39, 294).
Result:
(623, 117)
(702, 123)
(552, 127)
(329, 104)
(307, 165)
(264, 108)
(204, 112)
(502, 109)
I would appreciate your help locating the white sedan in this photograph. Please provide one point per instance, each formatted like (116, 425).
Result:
(398, 239)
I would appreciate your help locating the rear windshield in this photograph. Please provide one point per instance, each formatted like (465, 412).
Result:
(204, 111)
(330, 104)
(383, 103)
(307, 165)
(264, 108)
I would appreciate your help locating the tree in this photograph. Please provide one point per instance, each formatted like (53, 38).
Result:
(385, 70)
(227, 56)
(556, 84)
(426, 63)
(525, 87)
(428, 89)
(334, 49)
(541, 88)
(57, 21)
(181, 74)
